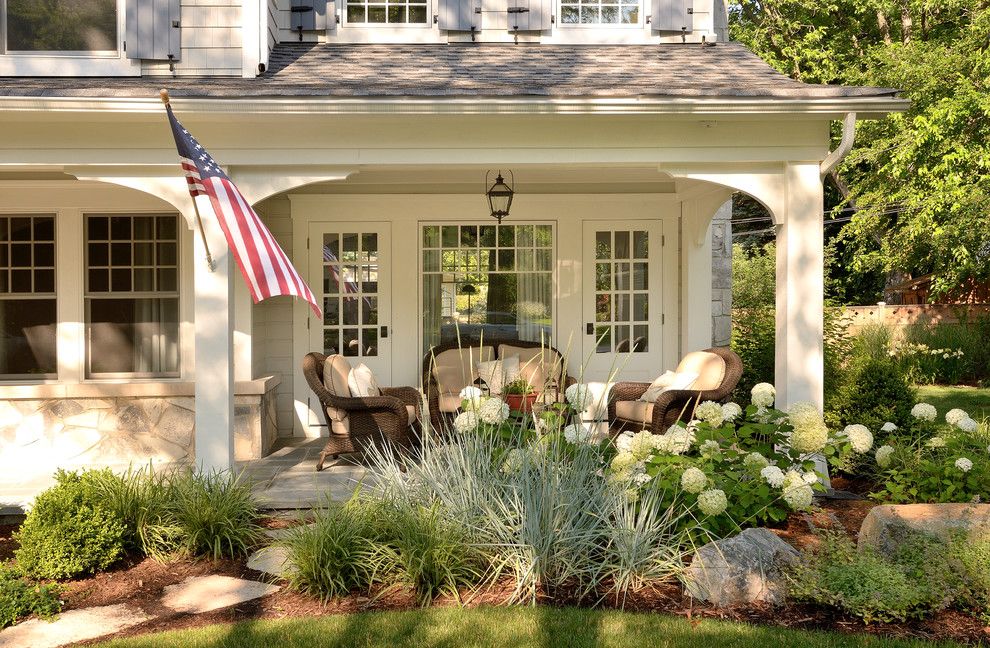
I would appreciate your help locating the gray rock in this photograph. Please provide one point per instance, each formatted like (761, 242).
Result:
(198, 594)
(73, 626)
(885, 527)
(742, 569)
(272, 560)
(177, 425)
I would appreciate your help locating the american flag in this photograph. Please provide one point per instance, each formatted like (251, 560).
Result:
(266, 268)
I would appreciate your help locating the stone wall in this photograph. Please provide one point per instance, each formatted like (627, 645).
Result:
(722, 275)
(38, 436)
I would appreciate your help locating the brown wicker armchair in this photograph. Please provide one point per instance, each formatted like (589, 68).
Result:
(443, 403)
(719, 371)
(352, 421)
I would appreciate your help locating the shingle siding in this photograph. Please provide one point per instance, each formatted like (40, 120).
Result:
(211, 41)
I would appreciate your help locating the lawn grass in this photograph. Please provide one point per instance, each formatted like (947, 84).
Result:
(974, 400)
(518, 627)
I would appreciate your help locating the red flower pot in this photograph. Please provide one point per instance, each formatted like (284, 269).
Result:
(520, 402)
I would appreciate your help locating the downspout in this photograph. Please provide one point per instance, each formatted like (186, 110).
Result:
(845, 145)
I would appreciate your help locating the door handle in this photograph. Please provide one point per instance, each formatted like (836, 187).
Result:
(384, 333)
(589, 328)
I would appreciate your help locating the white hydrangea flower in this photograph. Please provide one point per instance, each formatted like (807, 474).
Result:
(936, 442)
(493, 411)
(623, 442)
(763, 395)
(811, 478)
(513, 461)
(799, 497)
(755, 462)
(642, 444)
(579, 396)
(883, 455)
(713, 501)
(693, 480)
(968, 425)
(964, 464)
(472, 395)
(577, 433)
(773, 476)
(810, 433)
(709, 448)
(710, 412)
(731, 411)
(888, 427)
(955, 415)
(924, 412)
(466, 422)
(625, 468)
(676, 440)
(860, 438)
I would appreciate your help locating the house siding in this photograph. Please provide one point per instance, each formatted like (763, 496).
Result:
(211, 41)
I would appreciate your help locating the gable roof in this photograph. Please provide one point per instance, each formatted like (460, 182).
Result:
(464, 70)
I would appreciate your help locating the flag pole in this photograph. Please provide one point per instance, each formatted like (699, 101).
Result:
(163, 93)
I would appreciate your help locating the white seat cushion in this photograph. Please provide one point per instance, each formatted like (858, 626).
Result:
(361, 382)
(634, 411)
(454, 369)
(667, 381)
(708, 367)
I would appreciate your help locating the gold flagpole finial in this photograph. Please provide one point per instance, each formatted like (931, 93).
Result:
(163, 93)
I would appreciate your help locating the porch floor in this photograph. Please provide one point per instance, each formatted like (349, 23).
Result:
(287, 478)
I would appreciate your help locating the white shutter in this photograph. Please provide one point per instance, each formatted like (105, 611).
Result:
(309, 15)
(152, 29)
(459, 15)
(672, 15)
(529, 15)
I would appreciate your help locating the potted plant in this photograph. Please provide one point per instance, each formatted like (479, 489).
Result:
(519, 395)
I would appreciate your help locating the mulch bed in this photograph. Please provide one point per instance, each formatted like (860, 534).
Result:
(140, 582)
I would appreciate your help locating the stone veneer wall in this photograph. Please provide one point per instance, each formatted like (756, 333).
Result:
(722, 276)
(37, 436)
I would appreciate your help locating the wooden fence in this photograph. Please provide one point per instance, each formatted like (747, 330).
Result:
(898, 317)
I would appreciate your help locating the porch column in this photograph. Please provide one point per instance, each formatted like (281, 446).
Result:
(696, 269)
(214, 321)
(800, 289)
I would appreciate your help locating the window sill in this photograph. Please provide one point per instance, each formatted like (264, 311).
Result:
(126, 389)
(67, 65)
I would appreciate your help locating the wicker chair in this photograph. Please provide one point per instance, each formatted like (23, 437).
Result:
(478, 352)
(671, 405)
(355, 421)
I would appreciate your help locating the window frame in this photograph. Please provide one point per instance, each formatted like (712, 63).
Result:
(346, 23)
(420, 247)
(88, 297)
(8, 295)
(639, 24)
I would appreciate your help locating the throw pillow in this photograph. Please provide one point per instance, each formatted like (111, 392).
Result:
(667, 381)
(493, 375)
(361, 382)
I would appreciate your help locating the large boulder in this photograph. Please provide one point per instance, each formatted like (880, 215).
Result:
(887, 526)
(742, 569)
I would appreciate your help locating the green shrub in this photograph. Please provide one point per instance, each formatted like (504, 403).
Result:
(925, 471)
(973, 560)
(214, 514)
(69, 531)
(20, 598)
(336, 554)
(966, 343)
(864, 584)
(876, 390)
(143, 500)
(423, 547)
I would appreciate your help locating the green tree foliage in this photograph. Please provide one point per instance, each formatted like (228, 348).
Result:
(919, 181)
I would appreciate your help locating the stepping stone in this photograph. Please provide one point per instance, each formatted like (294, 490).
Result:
(273, 561)
(70, 627)
(199, 594)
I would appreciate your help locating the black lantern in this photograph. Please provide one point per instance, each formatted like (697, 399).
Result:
(500, 196)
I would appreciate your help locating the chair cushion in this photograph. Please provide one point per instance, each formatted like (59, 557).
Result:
(498, 373)
(634, 411)
(339, 422)
(454, 369)
(450, 402)
(411, 412)
(336, 370)
(709, 367)
(540, 366)
(667, 381)
(361, 382)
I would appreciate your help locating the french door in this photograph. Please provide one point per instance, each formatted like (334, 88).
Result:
(350, 268)
(623, 314)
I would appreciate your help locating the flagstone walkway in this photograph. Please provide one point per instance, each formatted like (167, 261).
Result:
(287, 478)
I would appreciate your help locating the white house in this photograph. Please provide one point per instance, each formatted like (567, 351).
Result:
(364, 132)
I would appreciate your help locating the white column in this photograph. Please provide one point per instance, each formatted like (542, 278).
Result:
(214, 320)
(243, 325)
(696, 282)
(70, 286)
(800, 289)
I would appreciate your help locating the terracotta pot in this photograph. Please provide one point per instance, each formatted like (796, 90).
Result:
(520, 402)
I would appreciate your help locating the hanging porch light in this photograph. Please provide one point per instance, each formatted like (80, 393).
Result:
(500, 195)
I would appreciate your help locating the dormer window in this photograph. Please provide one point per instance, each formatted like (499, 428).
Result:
(59, 26)
(390, 12)
(599, 12)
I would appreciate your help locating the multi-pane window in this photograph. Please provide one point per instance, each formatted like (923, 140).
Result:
(132, 295)
(350, 293)
(27, 297)
(622, 291)
(493, 280)
(598, 12)
(386, 11)
(59, 25)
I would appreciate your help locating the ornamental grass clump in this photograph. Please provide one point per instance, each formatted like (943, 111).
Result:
(69, 530)
(215, 514)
